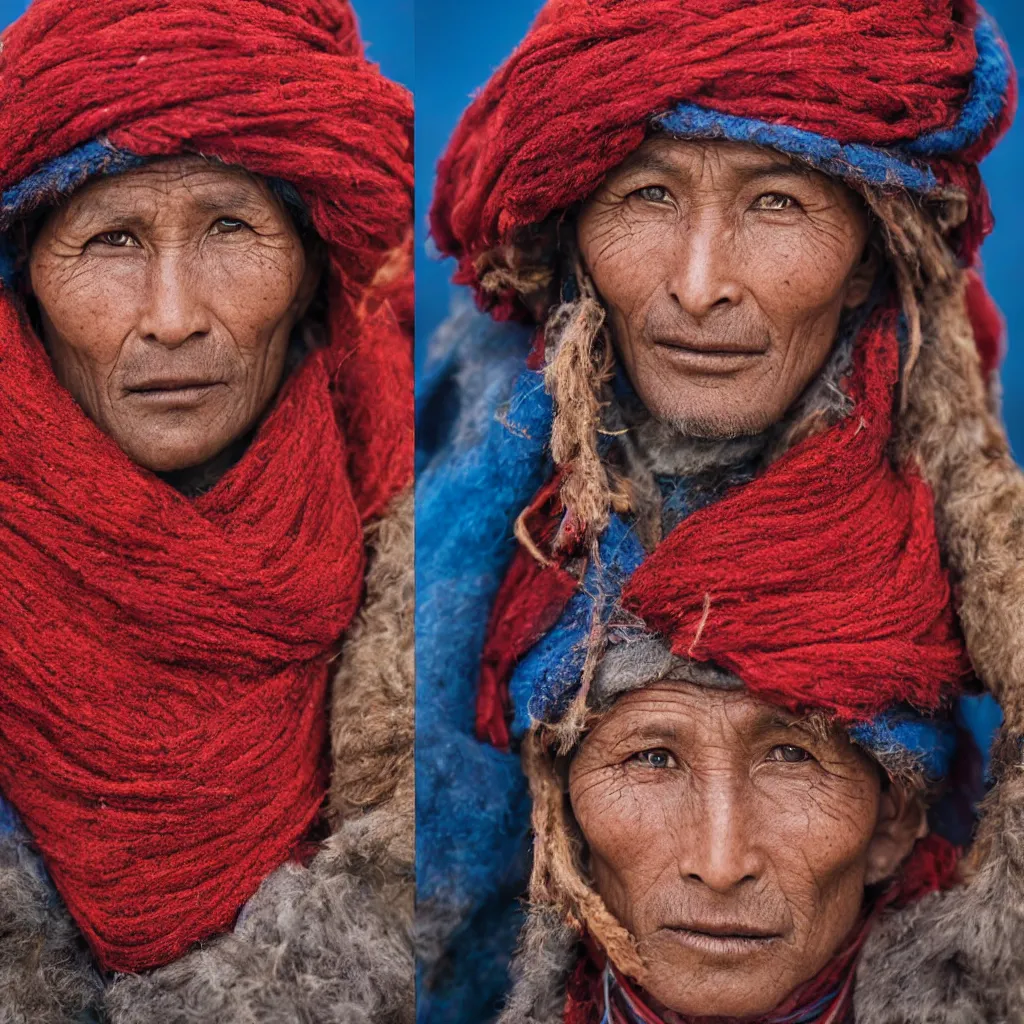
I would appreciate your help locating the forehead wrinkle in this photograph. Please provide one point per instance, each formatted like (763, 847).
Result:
(676, 714)
(144, 192)
(674, 156)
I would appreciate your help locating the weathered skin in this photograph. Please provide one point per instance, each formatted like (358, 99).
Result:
(709, 816)
(733, 250)
(178, 273)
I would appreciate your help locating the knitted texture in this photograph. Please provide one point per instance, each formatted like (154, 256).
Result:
(819, 584)
(164, 662)
(493, 457)
(926, 86)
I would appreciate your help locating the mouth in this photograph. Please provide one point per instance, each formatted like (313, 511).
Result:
(715, 356)
(722, 940)
(173, 391)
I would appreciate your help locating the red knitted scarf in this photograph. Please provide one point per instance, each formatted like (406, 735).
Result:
(819, 583)
(164, 662)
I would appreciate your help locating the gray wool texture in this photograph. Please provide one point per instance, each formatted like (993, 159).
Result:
(547, 953)
(957, 957)
(46, 971)
(327, 944)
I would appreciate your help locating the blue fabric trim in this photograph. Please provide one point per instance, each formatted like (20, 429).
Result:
(50, 184)
(545, 682)
(901, 165)
(10, 823)
(930, 741)
(853, 161)
(60, 177)
(982, 716)
(985, 100)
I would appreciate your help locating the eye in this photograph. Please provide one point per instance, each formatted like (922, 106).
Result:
(789, 753)
(117, 239)
(774, 201)
(652, 193)
(229, 225)
(657, 758)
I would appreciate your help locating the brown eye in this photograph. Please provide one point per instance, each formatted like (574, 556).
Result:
(658, 758)
(774, 201)
(117, 239)
(229, 225)
(652, 193)
(788, 753)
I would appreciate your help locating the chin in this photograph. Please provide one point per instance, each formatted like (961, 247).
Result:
(709, 984)
(707, 992)
(714, 424)
(164, 457)
(714, 414)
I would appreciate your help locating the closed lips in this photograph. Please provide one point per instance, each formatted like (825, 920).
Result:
(714, 346)
(725, 931)
(170, 384)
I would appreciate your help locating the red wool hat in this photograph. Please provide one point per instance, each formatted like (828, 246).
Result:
(905, 93)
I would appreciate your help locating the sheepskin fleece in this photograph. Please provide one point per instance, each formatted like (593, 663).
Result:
(956, 957)
(373, 726)
(961, 446)
(330, 943)
(547, 953)
(325, 945)
(46, 971)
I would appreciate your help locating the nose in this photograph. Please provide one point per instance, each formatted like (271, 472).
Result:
(705, 266)
(721, 847)
(171, 309)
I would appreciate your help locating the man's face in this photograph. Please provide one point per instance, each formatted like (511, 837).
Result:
(167, 298)
(724, 269)
(733, 841)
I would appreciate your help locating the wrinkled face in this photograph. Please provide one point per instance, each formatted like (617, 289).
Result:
(167, 297)
(733, 841)
(724, 269)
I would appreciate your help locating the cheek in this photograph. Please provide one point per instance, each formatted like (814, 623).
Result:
(627, 258)
(253, 291)
(820, 839)
(88, 308)
(628, 831)
(798, 275)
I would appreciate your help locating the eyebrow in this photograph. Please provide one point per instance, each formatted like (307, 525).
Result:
(236, 197)
(774, 168)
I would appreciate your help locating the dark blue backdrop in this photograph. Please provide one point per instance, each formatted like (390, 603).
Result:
(386, 26)
(459, 43)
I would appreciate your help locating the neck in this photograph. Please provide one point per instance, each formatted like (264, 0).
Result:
(656, 457)
(193, 481)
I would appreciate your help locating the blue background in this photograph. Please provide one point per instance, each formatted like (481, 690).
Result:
(460, 42)
(386, 29)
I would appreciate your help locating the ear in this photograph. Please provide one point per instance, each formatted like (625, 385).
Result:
(862, 277)
(316, 261)
(901, 822)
